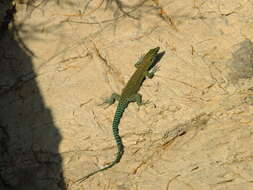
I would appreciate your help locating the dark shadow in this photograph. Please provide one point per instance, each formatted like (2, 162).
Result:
(241, 65)
(158, 57)
(29, 140)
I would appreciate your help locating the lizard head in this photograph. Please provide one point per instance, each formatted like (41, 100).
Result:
(150, 57)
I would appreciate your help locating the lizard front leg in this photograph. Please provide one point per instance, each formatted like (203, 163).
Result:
(151, 74)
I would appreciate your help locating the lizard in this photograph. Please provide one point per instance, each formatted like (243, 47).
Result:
(128, 94)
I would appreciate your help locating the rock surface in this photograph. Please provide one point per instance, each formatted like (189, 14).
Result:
(60, 59)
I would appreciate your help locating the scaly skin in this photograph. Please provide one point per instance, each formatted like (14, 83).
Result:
(129, 94)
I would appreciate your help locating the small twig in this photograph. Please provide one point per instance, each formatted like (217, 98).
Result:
(110, 20)
(119, 4)
(82, 14)
(165, 16)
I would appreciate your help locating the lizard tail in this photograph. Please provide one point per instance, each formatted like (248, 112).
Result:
(115, 129)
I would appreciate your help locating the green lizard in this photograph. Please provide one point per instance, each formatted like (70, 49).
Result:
(129, 94)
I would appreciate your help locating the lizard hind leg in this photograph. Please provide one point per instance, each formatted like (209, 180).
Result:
(114, 97)
(138, 99)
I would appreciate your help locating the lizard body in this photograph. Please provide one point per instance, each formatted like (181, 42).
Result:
(129, 94)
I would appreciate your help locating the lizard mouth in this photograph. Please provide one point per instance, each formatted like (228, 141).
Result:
(155, 50)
